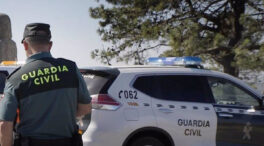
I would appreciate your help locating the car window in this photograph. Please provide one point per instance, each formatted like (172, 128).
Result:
(174, 87)
(146, 85)
(94, 83)
(2, 82)
(228, 93)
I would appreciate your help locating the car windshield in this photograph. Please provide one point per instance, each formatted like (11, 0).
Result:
(2, 82)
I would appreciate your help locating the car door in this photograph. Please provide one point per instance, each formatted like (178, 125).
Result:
(182, 107)
(239, 115)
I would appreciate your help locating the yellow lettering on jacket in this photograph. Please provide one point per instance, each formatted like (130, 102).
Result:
(45, 75)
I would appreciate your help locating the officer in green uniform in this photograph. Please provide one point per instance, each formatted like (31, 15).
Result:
(45, 95)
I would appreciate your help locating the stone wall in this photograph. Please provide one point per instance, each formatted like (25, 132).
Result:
(8, 50)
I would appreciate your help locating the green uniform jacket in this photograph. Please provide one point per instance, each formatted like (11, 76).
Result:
(47, 91)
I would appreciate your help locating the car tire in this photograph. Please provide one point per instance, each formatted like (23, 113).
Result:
(147, 141)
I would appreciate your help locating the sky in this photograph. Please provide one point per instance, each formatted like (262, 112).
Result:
(74, 33)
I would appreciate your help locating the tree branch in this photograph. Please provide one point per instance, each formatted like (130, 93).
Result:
(254, 47)
(172, 19)
(203, 14)
(145, 49)
(149, 48)
(212, 3)
(220, 7)
(256, 14)
(212, 50)
(189, 2)
(254, 6)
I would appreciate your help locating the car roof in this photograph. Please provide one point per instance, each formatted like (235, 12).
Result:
(145, 69)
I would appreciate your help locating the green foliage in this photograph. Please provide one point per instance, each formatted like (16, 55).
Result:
(247, 59)
(229, 33)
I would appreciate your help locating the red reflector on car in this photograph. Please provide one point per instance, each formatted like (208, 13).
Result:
(104, 101)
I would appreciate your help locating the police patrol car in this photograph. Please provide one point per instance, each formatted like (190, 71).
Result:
(171, 106)
(6, 68)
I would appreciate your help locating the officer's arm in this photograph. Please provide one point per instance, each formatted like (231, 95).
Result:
(8, 107)
(84, 99)
(6, 133)
(83, 109)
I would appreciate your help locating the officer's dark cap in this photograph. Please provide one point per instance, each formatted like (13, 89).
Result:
(40, 31)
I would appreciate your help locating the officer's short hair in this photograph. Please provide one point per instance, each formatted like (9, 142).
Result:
(36, 41)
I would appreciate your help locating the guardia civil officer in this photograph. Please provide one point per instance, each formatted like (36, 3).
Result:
(45, 95)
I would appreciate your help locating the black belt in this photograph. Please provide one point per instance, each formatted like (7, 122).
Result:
(45, 142)
(76, 140)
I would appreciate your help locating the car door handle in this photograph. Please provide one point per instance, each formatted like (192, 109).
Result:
(165, 110)
(224, 115)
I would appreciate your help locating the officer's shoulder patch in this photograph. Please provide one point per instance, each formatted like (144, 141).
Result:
(13, 72)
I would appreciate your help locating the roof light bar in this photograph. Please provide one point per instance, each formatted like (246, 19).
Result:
(175, 61)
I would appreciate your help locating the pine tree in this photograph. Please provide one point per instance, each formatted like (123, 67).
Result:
(227, 32)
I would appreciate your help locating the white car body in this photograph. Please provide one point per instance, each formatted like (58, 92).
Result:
(182, 123)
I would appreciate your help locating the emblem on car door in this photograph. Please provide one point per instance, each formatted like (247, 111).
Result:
(247, 129)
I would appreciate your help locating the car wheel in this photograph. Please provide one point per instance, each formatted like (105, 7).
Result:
(147, 141)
